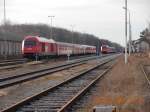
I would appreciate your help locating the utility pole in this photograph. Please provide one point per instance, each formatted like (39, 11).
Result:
(149, 26)
(84, 41)
(126, 32)
(4, 12)
(5, 40)
(72, 26)
(51, 32)
(130, 30)
(130, 33)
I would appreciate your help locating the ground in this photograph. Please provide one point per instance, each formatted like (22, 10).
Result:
(124, 86)
(13, 94)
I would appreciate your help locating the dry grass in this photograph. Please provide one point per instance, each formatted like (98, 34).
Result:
(125, 86)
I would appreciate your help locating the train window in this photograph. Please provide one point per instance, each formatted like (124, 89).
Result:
(29, 43)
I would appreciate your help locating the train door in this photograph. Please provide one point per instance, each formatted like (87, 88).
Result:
(46, 48)
(0, 49)
(56, 48)
(52, 48)
(43, 47)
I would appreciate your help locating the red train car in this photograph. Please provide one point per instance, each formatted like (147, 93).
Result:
(35, 46)
(105, 49)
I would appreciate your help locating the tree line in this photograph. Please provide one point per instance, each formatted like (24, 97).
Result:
(17, 32)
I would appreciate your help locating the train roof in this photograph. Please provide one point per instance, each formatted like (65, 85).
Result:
(44, 39)
(88, 46)
(41, 39)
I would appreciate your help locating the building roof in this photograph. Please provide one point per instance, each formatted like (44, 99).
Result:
(141, 40)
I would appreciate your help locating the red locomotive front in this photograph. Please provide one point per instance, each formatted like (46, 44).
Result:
(30, 46)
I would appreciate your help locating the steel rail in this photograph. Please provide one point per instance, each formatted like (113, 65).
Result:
(45, 92)
(82, 92)
(10, 67)
(28, 77)
(52, 67)
(6, 63)
(2, 61)
(13, 62)
(145, 74)
(13, 80)
(17, 65)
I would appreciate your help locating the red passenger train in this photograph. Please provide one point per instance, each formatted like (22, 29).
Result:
(35, 46)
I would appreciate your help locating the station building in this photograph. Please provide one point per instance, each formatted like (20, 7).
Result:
(9, 48)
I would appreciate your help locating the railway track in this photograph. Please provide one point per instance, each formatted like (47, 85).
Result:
(20, 78)
(63, 95)
(12, 62)
(10, 81)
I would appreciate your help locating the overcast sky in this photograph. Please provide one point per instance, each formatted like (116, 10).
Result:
(103, 18)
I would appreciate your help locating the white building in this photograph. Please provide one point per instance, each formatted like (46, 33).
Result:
(141, 45)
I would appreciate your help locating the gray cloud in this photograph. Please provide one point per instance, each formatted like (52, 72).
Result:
(104, 18)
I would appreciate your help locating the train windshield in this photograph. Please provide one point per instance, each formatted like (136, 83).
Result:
(30, 43)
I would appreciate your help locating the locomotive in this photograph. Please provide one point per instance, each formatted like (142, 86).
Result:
(35, 46)
(105, 49)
